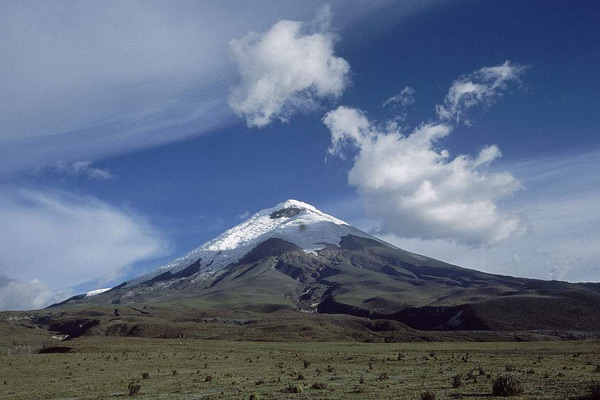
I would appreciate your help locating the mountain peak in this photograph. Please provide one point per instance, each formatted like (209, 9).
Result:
(293, 221)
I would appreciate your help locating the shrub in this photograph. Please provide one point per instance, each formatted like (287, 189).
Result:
(254, 396)
(134, 387)
(209, 378)
(428, 395)
(306, 364)
(319, 386)
(510, 368)
(294, 389)
(145, 375)
(507, 385)
(457, 381)
(383, 376)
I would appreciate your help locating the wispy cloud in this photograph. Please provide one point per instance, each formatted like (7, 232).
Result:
(79, 169)
(418, 189)
(404, 98)
(244, 215)
(55, 240)
(286, 70)
(480, 88)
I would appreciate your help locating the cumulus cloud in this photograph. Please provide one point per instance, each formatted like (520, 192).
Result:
(404, 98)
(562, 211)
(481, 87)
(285, 70)
(51, 241)
(417, 188)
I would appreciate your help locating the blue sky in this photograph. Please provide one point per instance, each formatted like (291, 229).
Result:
(133, 132)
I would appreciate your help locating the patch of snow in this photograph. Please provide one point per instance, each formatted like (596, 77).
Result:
(96, 292)
(310, 229)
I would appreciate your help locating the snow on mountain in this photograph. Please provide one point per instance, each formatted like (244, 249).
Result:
(96, 292)
(293, 221)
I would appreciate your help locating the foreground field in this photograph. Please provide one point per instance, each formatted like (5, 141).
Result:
(101, 367)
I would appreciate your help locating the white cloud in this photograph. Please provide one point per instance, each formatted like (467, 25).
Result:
(56, 240)
(418, 189)
(481, 87)
(85, 80)
(32, 295)
(286, 70)
(562, 241)
(561, 209)
(84, 168)
(81, 169)
(244, 215)
(404, 98)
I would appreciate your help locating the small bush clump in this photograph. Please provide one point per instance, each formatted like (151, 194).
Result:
(319, 386)
(294, 389)
(457, 381)
(145, 375)
(507, 385)
(428, 395)
(133, 387)
(510, 368)
(254, 396)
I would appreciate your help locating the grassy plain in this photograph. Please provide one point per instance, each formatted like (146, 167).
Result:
(103, 367)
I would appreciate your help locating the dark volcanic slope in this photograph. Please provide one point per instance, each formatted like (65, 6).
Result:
(368, 278)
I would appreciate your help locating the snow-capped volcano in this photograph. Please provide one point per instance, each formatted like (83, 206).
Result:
(292, 220)
(295, 257)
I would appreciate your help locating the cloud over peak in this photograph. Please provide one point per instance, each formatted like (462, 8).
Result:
(418, 189)
(286, 70)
